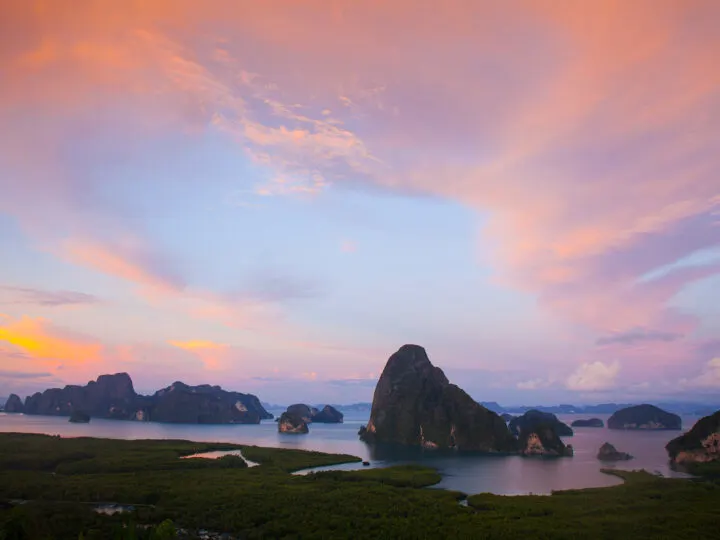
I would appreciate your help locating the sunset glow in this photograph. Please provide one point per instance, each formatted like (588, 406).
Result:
(275, 196)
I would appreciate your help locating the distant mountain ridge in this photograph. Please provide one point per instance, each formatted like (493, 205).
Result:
(353, 407)
(678, 407)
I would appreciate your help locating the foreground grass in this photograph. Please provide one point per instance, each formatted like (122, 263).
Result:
(60, 477)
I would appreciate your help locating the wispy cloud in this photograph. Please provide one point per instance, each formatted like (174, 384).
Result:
(25, 295)
(24, 375)
(130, 260)
(638, 335)
(365, 383)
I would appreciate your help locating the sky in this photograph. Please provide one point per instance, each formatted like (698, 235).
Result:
(275, 196)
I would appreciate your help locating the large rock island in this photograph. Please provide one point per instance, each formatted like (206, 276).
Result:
(415, 404)
(645, 417)
(699, 445)
(113, 396)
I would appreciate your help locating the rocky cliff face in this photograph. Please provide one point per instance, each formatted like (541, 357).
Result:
(699, 445)
(113, 396)
(292, 423)
(542, 440)
(539, 434)
(645, 417)
(532, 418)
(415, 404)
(608, 452)
(14, 404)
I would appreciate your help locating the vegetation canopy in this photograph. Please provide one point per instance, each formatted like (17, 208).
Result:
(50, 488)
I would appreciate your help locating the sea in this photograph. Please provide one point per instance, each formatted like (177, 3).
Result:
(469, 473)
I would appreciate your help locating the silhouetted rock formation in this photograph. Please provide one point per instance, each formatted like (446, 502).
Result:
(533, 417)
(14, 404)
(590, 422)
(414, 404)
(644, 417)
(541, 439)
(113, 396)
(699, 445)
(292, 423)
(328, 415)
(608, 452)
(507, 417)
(79, 417)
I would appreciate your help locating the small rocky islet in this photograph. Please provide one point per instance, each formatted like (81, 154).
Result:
(79, 417)
(297, 417)
(588, 422)
(608, 452)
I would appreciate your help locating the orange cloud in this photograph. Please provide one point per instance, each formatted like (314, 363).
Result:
(39, 340)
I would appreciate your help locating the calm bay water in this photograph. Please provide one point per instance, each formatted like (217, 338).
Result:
(506, 475)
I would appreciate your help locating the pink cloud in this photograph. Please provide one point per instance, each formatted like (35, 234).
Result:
(586, 135)
(348, 246)
(214, 356)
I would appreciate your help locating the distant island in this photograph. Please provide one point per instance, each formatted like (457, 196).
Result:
(79, 417)
(644, 417)
(588, 422)
(114, 397)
